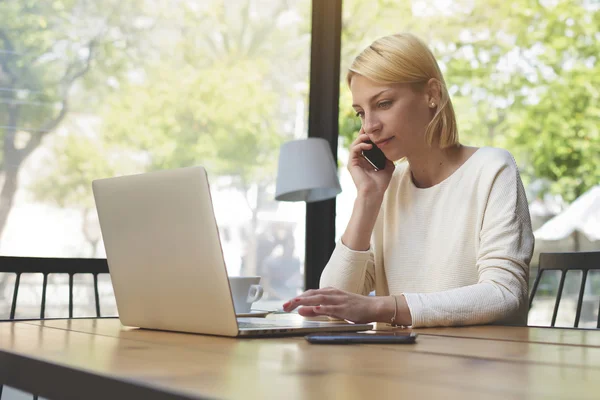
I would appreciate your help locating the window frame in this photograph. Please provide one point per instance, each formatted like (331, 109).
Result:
(323, 123)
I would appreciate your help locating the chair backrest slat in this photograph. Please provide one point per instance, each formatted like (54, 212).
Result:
(70, 295)
(580, 298)
(561, 285)
(44, 286)
(538, 278)
(13, 306)
(96, 295)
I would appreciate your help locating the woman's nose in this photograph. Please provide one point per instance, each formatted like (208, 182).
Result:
(371, 124)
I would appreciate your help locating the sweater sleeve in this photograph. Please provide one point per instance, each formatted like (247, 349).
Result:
(349, 270)
(505, 249)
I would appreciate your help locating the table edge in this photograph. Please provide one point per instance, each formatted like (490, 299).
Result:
(53, 380)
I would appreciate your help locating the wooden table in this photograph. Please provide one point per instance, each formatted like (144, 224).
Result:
(99, 358)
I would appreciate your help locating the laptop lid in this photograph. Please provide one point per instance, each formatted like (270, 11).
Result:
(165, 258)
(164, 253)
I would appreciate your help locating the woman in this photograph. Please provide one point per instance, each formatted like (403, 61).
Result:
(444, 238)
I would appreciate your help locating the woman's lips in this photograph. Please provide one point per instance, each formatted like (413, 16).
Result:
(383, 142)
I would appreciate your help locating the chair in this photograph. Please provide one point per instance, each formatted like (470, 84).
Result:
(46, 266)
(573, 261)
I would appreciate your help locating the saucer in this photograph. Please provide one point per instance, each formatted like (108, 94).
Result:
(254, 313)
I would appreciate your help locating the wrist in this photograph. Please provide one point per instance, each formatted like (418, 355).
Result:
(384, 307)
(403, 318)
(368, 197)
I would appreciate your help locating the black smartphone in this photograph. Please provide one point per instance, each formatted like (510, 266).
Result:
(357, 337)
(375, 156)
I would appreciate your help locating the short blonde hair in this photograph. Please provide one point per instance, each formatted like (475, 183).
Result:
(404, 58)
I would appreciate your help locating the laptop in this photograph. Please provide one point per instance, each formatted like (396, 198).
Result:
(166, 262)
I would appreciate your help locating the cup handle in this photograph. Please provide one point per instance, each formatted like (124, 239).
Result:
(255, 293)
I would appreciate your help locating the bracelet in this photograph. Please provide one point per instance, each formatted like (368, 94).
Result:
(393, 320)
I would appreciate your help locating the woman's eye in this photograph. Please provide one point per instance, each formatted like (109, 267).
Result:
(360, 114)
(384, 104)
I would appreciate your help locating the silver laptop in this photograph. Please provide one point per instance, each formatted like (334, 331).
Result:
(165, 259)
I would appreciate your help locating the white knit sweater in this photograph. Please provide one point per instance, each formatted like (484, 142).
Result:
(459, 251)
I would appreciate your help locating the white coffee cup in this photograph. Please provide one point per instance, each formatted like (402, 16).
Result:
(245, 291)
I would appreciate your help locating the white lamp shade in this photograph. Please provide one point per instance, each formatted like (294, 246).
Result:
(306, 172)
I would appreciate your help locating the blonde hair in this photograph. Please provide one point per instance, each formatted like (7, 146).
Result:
(404, 58)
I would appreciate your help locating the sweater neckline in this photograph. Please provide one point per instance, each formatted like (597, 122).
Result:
(450, 177)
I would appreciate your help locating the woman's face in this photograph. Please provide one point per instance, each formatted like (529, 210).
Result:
(393, 115)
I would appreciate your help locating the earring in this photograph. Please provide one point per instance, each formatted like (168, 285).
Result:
(432, 105)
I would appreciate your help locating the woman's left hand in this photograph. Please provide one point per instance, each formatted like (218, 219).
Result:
(338, 304)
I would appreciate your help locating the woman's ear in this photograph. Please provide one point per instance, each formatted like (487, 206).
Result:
(434, 92)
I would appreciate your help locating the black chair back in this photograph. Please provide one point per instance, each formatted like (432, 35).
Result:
(46, 266)
(563, 262)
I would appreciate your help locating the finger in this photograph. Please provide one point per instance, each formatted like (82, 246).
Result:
(310, 292)
(362, 137)
(362, 146)
(295, 302)
(307, 311)
(356, 151)
(361, 131)
(315, 300)
(291, 304)
(362, 163)
(330, 311)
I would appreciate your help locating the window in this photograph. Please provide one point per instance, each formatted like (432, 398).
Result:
(92, 89)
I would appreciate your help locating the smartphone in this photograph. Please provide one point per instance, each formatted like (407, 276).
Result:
(375, 156)
(357, 337)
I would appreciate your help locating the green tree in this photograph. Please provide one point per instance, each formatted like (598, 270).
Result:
(48, 48)
(557, 129)
(530, 78)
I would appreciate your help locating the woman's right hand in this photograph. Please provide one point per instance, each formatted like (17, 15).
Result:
(367, 180)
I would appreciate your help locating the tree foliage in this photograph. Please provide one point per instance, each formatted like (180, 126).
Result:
(204, 90)
(51, 52)
(221, 117)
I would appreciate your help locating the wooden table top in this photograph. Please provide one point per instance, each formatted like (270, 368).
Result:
(563, 336)
(470, 362)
